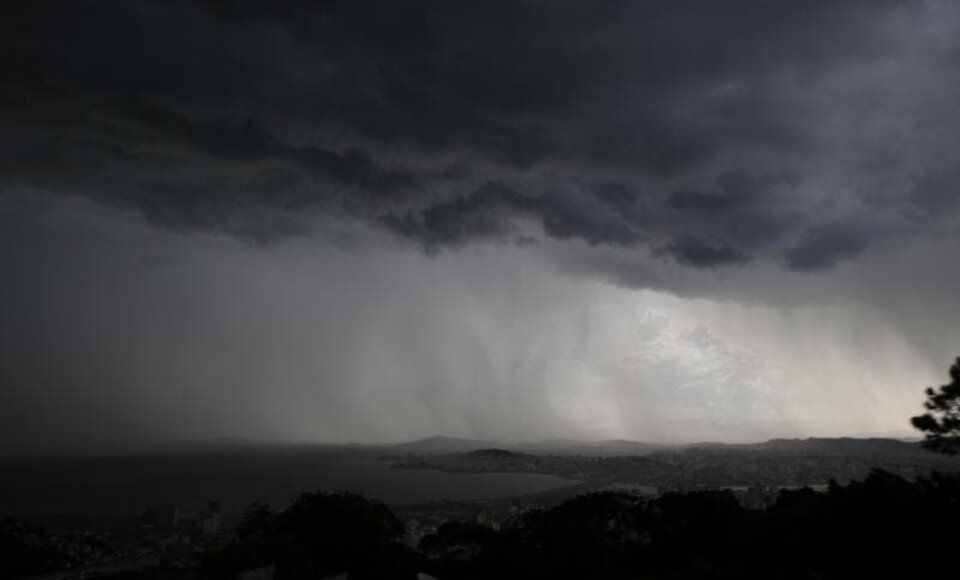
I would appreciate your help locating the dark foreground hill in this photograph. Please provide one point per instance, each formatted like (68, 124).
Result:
(882, 527)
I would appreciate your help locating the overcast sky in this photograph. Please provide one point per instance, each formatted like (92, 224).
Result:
(380, 220)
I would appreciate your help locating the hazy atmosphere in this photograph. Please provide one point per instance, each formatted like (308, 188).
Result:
(378, 221)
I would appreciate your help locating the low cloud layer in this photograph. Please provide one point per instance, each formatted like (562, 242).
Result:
(117, 335)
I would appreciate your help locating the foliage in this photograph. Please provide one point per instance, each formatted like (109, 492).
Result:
(883, 527)
(344, 531)
(259, 541)
(26, 551)
(319, 534)
(941, 424)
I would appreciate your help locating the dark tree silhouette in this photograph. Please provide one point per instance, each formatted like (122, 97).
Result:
(259, 541)
(320, 534)
(941, 425)
(25, 551)
(348, 532)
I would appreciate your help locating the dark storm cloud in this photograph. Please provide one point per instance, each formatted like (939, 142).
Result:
(703, 131)
(482, 214)
(695, 252)
(938, 192)
(826, 245)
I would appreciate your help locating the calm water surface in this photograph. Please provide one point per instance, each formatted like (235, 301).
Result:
(133, 485)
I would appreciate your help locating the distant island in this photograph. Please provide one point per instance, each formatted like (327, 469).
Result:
(441, 444)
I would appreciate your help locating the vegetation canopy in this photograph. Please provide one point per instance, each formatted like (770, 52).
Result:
(941, 424)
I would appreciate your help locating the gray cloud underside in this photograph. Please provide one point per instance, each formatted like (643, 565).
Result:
(710, 133)
(117, 334)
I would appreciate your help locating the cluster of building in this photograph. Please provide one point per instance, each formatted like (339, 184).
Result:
(167, 539)
(423, 520)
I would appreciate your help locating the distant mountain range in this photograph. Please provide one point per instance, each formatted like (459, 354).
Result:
(823, 446)
(440, 444)
(624, 447)
(612, 447)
